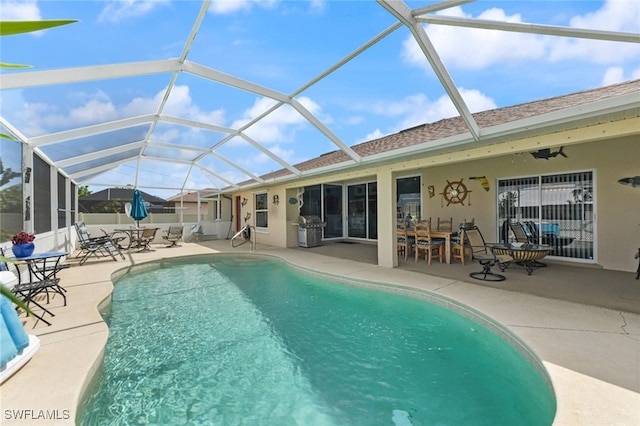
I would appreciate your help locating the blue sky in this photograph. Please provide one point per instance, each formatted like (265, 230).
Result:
(282, 45)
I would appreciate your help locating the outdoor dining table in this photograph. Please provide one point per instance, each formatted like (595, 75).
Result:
(526, 255)
(133, 236)
(445, 235)
(43, 268)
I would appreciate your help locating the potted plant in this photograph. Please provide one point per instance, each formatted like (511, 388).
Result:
(23, 244)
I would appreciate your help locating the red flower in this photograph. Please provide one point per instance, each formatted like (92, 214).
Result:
(23, 237)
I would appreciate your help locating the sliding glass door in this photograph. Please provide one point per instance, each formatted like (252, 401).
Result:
(361, 212)
(559, 210)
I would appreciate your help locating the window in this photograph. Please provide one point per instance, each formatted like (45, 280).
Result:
(73, 202)
(62, 201)
(559, 207)
(41, 195)
(409, 202)
(10, 188)
(262, 210)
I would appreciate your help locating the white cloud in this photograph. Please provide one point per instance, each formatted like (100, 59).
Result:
(121, 10)
(223, 7)
(615, 75)
(377, 133)
(279, 125)
(418, 109)
(478, 49)
(475, 49)
(97, 107)
(614, 15)
(23, 10)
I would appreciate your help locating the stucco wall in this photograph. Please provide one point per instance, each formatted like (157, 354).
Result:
(618, 206)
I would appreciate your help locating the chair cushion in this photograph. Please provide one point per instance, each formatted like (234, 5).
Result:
(8, 279)
(429, 243)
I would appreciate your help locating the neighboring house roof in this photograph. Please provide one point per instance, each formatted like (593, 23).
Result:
(190, 197)
(121, 194)
(571, 111)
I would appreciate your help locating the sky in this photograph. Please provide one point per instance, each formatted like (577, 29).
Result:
(282, 46)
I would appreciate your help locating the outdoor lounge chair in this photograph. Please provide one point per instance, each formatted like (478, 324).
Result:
(483, 253)
(97, 247)
(173, 235)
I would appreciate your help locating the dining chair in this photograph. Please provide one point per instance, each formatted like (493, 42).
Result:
(403, 244)
(459, 247)
(445, 224)
(426, 244)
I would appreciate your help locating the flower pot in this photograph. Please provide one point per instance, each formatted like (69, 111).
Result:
(23, 250)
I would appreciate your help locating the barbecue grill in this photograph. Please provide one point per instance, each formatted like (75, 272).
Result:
(310, 231)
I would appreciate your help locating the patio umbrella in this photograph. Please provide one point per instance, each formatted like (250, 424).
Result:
(138, 209)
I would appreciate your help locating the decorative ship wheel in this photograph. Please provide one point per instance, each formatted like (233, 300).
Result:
(455, 192)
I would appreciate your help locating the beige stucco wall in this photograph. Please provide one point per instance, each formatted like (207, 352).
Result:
(618, 206)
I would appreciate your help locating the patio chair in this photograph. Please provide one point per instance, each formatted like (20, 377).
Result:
(459, 245)
(484, 254)
(145, 238)
(429, 245)
(552, 239)
(173, 235)
(404, 244)
(196, 232)
(519, 233)
(445, 224)
(28, 287)
(96, 247)
(117, 237)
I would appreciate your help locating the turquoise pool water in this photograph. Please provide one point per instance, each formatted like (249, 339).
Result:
(224, 341)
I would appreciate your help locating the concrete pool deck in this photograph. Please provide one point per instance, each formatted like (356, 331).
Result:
(592, 353)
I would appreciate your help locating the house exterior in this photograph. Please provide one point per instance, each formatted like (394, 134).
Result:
(583, 144)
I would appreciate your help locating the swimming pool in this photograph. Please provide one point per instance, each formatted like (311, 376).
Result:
(226, 341)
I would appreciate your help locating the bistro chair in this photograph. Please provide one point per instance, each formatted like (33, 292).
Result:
(31, 287)
(483, 253)
(428, 245)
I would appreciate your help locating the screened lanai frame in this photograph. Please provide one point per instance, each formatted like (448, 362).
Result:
(136, 145)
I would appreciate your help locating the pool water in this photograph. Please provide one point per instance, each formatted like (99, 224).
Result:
(228, 341)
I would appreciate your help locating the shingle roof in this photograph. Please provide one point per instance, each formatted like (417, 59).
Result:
(448, 127)
(121, 194)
